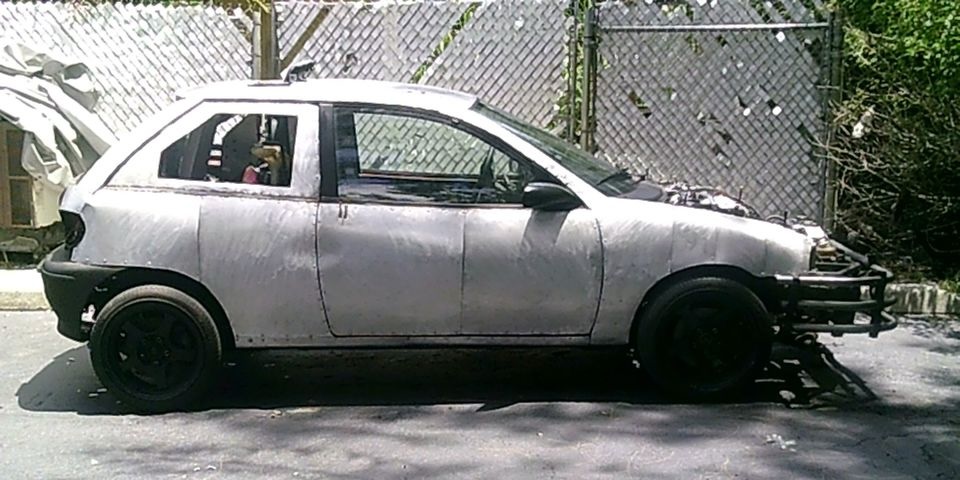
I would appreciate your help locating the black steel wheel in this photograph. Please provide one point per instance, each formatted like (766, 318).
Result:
(155, 348)
(704, 337)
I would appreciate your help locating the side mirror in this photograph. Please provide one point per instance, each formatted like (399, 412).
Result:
(550, 197)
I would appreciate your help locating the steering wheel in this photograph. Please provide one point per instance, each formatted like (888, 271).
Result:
(485, 178)
(502, 183)
(504, 187)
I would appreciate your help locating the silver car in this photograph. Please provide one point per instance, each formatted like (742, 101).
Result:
(347, 213)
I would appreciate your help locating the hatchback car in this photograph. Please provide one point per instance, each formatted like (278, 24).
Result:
(348, 213)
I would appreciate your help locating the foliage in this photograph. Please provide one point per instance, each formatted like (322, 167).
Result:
(567, 117)
(898, 133)
(445, 42)
(952, 284)
(920, 39)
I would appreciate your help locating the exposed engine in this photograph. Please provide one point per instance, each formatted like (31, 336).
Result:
(711, 198)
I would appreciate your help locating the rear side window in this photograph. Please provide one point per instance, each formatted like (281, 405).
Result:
(255, 149)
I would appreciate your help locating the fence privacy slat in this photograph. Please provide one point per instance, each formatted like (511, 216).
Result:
(722, 92)
(715, 101)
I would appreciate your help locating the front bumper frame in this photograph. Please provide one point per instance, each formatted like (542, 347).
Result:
(801, 302)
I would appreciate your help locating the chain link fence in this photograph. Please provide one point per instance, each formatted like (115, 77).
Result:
(727, 94)
(140, 54)
(511, 53)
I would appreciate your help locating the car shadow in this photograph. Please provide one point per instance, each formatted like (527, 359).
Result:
(801, 377)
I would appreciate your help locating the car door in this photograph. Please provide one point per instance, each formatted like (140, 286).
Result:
(255, 168)
(530, 272)
(390, 255)
(427, 235)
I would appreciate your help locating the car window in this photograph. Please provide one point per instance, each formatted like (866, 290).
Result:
(252, 148)
(395, 157)
(604, 176)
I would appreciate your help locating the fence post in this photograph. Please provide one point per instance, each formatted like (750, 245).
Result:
(589, 79)
(834, 95)
(573, 62)
(265, 52)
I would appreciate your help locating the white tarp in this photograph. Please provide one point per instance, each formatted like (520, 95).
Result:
(52, 101)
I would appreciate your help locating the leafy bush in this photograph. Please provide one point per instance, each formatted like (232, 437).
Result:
(898, 133)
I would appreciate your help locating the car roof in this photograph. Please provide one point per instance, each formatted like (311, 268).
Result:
(335, 90)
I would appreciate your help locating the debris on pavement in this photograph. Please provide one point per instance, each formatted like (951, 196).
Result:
(777, 439)
(787, 395)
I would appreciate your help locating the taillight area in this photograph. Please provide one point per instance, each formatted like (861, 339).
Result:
(73, 228)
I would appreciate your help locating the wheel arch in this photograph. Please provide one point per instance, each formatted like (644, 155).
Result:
(136, 276)
(762, 287)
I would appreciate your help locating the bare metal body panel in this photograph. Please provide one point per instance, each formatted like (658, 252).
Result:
(530, 272)
(168, 241)
(292, 270)
(264, 271)
(391, 270)
(645, 242)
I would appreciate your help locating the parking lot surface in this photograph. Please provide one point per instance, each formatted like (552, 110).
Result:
(852, 408)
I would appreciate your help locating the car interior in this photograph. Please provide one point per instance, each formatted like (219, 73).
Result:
(226, 146)
(393, 158)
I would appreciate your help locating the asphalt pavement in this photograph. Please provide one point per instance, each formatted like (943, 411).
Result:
(853, 408)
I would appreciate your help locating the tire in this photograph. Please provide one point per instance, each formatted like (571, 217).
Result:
(704, 338)
(155, 348)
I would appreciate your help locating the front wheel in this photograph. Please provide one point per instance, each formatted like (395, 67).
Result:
(155, 348)
(704, 337)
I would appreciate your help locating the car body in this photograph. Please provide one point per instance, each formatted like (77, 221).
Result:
(409, 215)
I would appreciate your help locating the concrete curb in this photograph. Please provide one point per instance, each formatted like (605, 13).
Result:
(925, 298)
(21, 289)
(23, 301)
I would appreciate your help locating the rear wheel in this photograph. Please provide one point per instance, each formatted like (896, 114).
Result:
(704, 337)
(155, 348)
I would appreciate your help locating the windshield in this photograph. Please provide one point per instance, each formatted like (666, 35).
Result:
(606, 178)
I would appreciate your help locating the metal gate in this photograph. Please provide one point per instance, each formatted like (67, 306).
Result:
(727, 94)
